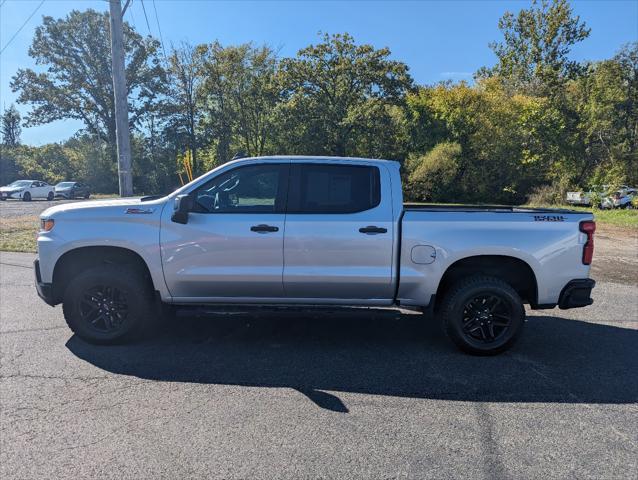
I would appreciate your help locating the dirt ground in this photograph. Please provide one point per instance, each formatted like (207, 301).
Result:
(616, 255)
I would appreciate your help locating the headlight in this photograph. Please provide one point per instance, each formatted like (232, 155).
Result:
(46, 225)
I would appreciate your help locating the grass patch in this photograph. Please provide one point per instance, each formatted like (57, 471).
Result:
(18, 234)
(619, 218)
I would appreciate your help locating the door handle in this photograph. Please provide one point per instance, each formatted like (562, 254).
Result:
(263, 228)
(371, 230)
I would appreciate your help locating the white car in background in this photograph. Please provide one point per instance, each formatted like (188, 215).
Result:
(27, 190)
(620, 199)
(584, 198)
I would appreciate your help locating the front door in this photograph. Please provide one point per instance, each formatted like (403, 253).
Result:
(339, 234)
(232, 245)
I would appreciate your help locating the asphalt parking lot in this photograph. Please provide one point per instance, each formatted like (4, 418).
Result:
(321, 394)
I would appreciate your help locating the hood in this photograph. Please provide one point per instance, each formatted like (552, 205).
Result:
(11, 189)
(98, 207)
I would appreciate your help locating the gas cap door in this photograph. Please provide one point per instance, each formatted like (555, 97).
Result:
(423, 254)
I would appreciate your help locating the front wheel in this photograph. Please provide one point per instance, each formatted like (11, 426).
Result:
(108, 304)
(483, 315)
(26, 197)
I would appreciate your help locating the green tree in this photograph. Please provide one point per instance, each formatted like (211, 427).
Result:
(534, 54)
(606, 100)
(75, 82)
(239, 94)
(185, 79)
(11, 127)
(337, 93)
(432, 174)
(507, 142)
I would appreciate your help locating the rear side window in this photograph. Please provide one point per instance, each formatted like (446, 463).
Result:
(317, 188)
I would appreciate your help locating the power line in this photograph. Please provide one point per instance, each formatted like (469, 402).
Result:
(146, 18)
(22, 26)
(160, 31)
(132, 17)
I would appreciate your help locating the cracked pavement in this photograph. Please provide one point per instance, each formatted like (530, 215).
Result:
(331, 394)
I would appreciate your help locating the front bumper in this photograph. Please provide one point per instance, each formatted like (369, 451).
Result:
(576, 294)
(6, 195)
(45, 290)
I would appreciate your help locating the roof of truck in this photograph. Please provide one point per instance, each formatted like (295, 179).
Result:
(315, 158)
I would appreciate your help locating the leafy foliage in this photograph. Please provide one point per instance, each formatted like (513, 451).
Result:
(11, 127)
(76, 83)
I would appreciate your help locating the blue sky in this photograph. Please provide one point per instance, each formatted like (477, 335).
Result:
(438, 40)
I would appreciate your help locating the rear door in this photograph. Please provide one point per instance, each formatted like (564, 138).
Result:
(38, 190)
(339, 233)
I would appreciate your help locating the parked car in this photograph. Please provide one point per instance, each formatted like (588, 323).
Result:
(72, 190)
(27, 190)
(347, 239)
(620, 199)
(585, 198)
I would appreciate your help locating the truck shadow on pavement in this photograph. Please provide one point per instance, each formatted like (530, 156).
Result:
(380, 352)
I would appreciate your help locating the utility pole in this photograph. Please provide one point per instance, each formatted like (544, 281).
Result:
(120, 93)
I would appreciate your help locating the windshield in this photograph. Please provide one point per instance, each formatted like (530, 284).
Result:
(20, 183)
(65, 184)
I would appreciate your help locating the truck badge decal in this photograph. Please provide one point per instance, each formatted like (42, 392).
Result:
(549, 218)
(139, 211)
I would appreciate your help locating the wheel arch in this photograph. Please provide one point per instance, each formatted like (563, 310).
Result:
(515, 271)
(80, 258)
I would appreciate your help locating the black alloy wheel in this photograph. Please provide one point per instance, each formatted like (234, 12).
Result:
(103, 308)
(482, 315)
(109, 304)
(486, 318)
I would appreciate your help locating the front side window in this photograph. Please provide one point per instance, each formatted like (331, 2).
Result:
(322, 188)
(249, 189)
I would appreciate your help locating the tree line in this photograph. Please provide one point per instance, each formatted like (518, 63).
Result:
(535, 124)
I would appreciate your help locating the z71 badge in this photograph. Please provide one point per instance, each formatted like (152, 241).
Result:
(549, 218)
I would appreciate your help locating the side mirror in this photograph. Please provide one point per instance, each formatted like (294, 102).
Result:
(183, 205)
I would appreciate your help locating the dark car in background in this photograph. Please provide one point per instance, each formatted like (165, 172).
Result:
(72, 190)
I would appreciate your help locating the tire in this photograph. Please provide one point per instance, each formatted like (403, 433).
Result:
(71, 196)
(87, 195)
(26, 197)
(483, 315)
(50, 196)
(109, 304)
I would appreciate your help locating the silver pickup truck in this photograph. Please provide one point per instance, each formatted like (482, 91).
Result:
(310, 231)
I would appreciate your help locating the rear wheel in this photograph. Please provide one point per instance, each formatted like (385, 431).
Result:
(50, 196)
(26, 197)
(483, 315)
(108, 304)
(87, 195)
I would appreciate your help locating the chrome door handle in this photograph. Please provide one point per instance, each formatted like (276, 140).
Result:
(371, 230)
(263, 228)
